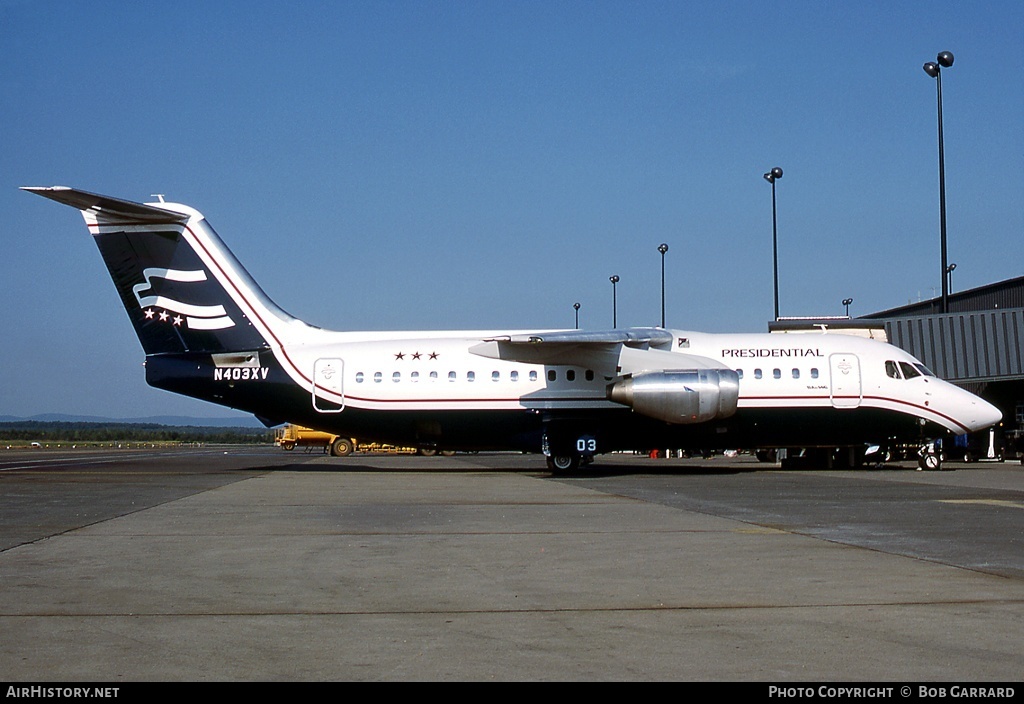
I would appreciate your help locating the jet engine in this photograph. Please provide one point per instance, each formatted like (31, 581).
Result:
(680, 396)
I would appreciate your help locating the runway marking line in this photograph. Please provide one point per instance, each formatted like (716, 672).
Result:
(984, 502)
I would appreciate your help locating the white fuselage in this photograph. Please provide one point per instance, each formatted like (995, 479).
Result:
(437, 371)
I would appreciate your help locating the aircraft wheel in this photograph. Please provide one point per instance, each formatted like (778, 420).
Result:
(563, 464)
(341, 447)
(930, 461)
(447, 453)
(426, 451)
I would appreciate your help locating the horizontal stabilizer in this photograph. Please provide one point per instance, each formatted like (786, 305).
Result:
(107, 209)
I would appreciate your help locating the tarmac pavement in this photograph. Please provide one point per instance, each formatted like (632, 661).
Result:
(306, 569)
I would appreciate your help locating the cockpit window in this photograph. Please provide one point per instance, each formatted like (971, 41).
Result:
(892, 369)
(909, 370)
(923, 369)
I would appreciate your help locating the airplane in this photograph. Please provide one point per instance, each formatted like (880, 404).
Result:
(210, 332)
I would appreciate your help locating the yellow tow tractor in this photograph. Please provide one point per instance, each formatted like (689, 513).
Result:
(291, 436)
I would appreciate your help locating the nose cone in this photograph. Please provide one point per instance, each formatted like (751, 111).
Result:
(981, 414)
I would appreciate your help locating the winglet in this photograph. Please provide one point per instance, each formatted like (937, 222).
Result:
(107, 209)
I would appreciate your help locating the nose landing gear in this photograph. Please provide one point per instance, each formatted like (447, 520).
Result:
(928, 457)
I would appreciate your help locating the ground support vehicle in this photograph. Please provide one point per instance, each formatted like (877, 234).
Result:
(291, 436)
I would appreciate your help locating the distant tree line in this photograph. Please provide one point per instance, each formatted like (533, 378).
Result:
(63, 431)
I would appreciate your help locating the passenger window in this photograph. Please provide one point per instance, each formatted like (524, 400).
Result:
(796, 373)
(570, 375)
(470, 376)
(514, 376)
(590, 375)
(433, 376)
(533, 376)
(377, 376)
(891, 369)
(757, 373)
(415, 376)
(777, 373)
(739, 373)
(396, 377)
(814, 372)
(452, 376)
(495, 376)
(359, 377)
(552, 375)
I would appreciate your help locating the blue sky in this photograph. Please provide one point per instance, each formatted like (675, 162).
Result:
(447, 165)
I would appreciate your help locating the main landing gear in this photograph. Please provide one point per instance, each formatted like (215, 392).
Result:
(568, 454)
(563, 464)
(568, 463)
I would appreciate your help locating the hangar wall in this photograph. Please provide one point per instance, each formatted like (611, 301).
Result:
(964, 347)
(978, 345)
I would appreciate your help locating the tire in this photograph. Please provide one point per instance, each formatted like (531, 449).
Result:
(426, 451)
(341, 447)
(288, 446)
(929, 461)
(447, 453)
(564, 464)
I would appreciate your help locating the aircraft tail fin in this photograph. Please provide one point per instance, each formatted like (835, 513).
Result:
(182, 288)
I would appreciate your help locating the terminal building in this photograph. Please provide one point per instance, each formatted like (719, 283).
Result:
(978, 344)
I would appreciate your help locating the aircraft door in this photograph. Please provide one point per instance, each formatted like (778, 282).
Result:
(327, 385)
(844, 374)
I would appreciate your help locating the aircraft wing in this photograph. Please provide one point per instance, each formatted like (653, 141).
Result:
(603, 351)
(631, 337)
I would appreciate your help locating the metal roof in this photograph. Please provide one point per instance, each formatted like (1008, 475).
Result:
(980, 339)
(1002, 294)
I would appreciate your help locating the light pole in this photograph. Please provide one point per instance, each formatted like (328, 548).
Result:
(847, 302)
(934, 69)
(663, 248)
(771, 177)
(576, 307)
(949, 273)
(615, 303)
